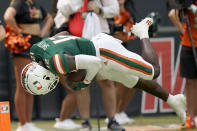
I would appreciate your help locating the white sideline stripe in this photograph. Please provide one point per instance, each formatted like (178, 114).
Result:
(57, 61)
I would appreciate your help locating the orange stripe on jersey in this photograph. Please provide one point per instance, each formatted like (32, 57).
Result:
(58, 64)
(55, 64)
(61, 65)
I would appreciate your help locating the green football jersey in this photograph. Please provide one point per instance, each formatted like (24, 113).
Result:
(51, 51)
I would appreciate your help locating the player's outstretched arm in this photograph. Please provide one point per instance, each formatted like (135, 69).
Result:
(148, 53)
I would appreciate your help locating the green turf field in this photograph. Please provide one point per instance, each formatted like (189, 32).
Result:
(170, 123)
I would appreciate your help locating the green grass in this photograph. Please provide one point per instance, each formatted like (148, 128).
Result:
(139, 121)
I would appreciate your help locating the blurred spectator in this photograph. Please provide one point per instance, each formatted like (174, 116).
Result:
(23, 18)
(104, 9)
(188, 66)
(2, 32)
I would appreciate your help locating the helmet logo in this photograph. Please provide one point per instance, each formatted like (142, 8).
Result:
(38, 88)
(37, 85)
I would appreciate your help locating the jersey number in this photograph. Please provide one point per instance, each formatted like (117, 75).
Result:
(62, 39)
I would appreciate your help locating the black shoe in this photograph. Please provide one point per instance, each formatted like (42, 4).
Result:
(86, 126)
(114, 126)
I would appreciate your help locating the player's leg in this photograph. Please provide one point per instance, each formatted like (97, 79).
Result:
(153, 88)
(150, 56)
(148, 53)
(176, 102)
(120, 61)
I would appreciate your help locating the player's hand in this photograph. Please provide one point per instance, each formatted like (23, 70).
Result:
(75, 80)
(79, 75)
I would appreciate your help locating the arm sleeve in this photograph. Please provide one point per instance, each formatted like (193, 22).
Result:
(17, 4)
(59, 64)
(111, 9)
(91, 64)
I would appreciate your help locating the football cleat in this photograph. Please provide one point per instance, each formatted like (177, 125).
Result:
(178, 104)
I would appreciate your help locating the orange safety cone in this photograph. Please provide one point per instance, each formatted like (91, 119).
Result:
(5, 116)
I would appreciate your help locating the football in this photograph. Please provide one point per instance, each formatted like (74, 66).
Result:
(79, 75)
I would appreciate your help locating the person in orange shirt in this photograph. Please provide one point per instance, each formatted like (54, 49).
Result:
(187, 63)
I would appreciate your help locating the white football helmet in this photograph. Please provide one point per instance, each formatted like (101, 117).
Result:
(37, 80)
